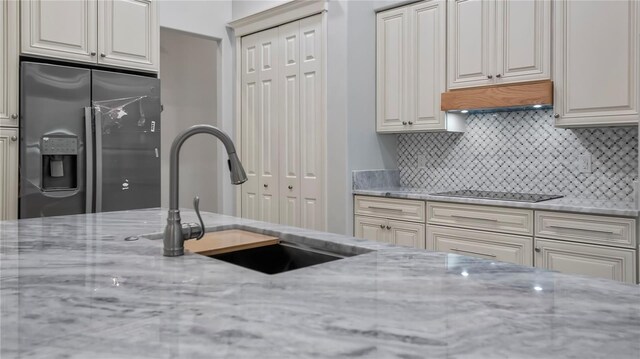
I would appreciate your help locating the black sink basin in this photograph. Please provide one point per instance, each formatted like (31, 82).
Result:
(278, 258)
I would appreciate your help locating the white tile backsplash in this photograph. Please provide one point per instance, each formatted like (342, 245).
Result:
(523, 151)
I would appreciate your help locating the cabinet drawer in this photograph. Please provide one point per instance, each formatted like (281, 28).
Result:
(612, 231)
(498, 219)
(500, 247)
(403, 209)
(586, 259)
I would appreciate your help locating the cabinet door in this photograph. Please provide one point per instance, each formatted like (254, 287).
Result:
(8, 173)
(289, 110)
(596, 62)
(470, 32)
(391, 59)
(60, 29)
(312, 128)
(9, 63)
(586, 259)
(427, 65)
(407, 234)
(493, 246)
(128, 34)
(371, 228)
(523, 40)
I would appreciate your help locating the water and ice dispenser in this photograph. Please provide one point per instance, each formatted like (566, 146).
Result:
(59, 162)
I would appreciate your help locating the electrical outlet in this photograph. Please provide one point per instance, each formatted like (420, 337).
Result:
(422, 161)
(584, 163)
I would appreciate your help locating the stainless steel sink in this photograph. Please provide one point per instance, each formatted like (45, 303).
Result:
(279, 258)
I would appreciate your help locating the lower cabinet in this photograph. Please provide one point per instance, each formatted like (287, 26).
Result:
(494, 246)
(8, 173)
(586, 259)
(401, 233)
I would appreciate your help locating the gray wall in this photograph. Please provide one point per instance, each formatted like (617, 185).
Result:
(209, 18)
(189, 97)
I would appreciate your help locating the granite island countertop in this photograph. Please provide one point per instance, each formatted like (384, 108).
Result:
(72, 287)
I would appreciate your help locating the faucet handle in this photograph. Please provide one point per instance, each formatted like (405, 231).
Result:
(196, 207)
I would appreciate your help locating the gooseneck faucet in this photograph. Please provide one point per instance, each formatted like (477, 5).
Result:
(175, 233)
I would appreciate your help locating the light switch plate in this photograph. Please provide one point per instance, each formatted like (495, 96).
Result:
(584, 163)
(421, 161)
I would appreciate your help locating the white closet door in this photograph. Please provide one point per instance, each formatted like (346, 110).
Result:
(289, 110)
(312, 130)
(523, 33)
(268, 117)
(250, 126)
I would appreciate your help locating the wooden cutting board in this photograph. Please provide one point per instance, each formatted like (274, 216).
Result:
(228, 241)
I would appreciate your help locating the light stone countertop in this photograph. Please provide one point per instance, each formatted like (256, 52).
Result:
(71, 287)
(565, 204)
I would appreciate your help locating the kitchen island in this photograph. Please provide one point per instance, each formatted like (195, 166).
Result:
(73, 287)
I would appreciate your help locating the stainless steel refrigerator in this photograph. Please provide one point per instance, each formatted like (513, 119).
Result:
(90, 140)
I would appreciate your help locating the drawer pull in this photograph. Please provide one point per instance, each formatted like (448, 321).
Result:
(583, 229)
(386, 209)
(472, 252)
(469, 217)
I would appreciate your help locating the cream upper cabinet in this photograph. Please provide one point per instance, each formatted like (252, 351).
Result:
(128, 34)
(523, 41)
(9, 63)
(8, 173)
(496, 42)
(577, 258)
(411, 69)
(60, 29)
(391, 59)
(118, 33)
(470, 53)
(596, 62)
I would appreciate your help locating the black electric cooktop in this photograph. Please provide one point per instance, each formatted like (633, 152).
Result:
(502, 196)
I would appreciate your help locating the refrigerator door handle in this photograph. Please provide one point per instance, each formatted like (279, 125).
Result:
(98, 150)
(88, 145)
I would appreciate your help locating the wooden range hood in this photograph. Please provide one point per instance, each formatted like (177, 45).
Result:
(498, 96)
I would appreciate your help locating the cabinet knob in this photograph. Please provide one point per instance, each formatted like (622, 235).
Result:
(537, 249)
(382, 226)
(290, 187)
(498, 76)
(489, 76)
(388, 227)
(557, 115)
(14, 138)
(14, 116)
(411, 122)
(404, 123)
(93, 53)
(265, 185)
(103, 55)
